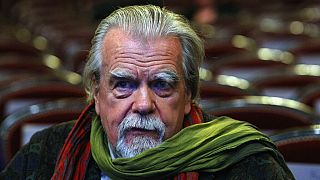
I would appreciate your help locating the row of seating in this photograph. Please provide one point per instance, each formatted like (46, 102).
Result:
(35, 69)
(301, 88)
(272, 50)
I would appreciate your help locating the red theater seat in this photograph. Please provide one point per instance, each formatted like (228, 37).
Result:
(267, 113)
(33, 91)
(300, 145)
(223, 87)
(17, 128)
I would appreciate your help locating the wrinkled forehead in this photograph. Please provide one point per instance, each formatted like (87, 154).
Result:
(138, 34)
(119, 44)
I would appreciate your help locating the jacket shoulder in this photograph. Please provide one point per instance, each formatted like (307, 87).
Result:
(261, 166)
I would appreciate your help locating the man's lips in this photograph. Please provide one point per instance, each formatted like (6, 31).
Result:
(134, 132)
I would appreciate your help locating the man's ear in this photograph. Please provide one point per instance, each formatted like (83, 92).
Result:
(187, 106)
(96, 99)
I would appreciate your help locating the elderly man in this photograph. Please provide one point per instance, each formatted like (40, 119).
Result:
(142, 123)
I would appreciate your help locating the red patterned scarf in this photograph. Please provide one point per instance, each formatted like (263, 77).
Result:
(74, 156)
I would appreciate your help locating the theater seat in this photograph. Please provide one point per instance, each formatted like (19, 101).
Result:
(221, 87)
(24, 93)
(23, 64)
(308, 52)
(249, 66)
(287, 83)
(267, 113)
(310, 95)
(17, 128)
(300, 144)
(13, 46)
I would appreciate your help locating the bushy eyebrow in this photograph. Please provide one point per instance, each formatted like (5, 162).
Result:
(167, 75)
(120, 73)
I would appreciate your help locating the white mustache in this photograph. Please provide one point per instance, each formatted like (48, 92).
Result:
(145, 122)
(139, 143)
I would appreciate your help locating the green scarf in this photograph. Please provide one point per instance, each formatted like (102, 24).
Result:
(208, 147)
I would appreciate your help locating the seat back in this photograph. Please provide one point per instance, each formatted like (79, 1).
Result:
(247, 66)
(225, 87)
(267, 113)
(310, 95)
(33, 91)
(300, 145)
(288, 83)
(18, 127)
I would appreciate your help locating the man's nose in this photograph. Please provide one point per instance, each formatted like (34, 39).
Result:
(144, 102)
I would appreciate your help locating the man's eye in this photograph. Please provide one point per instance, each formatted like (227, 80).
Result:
(124, 85)
(161, 85)
(162, 88)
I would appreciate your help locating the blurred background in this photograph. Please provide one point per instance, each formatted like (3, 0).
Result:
(262, 65)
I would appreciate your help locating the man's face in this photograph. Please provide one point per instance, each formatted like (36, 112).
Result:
(142, 90)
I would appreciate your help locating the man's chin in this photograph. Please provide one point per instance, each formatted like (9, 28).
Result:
(131, 146)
